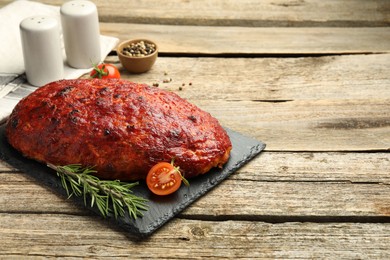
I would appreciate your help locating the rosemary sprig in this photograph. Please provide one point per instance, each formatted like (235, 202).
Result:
(79, 181)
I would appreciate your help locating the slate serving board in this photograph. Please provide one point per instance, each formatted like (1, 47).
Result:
(161, 209)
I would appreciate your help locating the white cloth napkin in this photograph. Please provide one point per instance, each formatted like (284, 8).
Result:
(13, 85)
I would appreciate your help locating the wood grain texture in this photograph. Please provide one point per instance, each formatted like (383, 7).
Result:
(84, 236)
(333, 167)
(289, 201)
(272, 187)
(335, 103)
(268, 13)
(309, 126)
(251, 13)
(310, 78)
(256, 41)
(250, 27)
(334, 78)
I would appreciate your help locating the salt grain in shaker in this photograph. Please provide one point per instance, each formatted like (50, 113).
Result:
(42, 53)
(80, 25)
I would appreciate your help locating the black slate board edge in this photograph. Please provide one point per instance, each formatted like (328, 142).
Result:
(243, 146)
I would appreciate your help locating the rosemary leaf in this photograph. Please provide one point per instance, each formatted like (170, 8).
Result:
(109, 196)
(92, 201)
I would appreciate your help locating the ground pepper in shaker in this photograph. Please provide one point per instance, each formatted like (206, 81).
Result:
(80, 26)
(42, 53)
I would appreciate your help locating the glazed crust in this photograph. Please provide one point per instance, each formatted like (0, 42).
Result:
(119, 127)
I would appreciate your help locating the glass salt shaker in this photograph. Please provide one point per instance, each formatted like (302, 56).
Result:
(80, 25)
(42, 53)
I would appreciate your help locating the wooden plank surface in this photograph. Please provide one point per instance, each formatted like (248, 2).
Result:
(343, 78)
(296, 188)
(255, 41)
(74, 236)
(265, 13)
(280, 191)
(254, 13)
(272, 186)
(283, 28)
(335, 103)
(310, 78)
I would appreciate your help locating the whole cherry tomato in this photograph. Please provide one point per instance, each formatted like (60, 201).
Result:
(164, 178)
(105, 71)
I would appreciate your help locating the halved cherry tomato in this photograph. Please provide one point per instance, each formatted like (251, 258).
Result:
(105, 71)
(164, 178)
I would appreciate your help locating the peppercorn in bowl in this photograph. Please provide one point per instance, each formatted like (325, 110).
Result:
(137, 56)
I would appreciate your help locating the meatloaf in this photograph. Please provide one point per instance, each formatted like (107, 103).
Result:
(119, 127)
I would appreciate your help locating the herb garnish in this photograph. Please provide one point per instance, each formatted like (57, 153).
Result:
(79, 181)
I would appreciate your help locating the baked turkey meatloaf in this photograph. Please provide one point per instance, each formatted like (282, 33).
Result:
(119, 127)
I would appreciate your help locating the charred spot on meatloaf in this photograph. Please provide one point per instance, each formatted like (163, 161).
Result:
(119, 127)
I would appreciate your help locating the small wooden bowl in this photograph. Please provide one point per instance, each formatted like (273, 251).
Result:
(135, 64)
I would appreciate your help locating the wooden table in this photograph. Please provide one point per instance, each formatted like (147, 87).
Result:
(310, 78)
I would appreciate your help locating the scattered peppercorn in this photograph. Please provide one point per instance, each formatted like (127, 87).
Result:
(139, 49)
